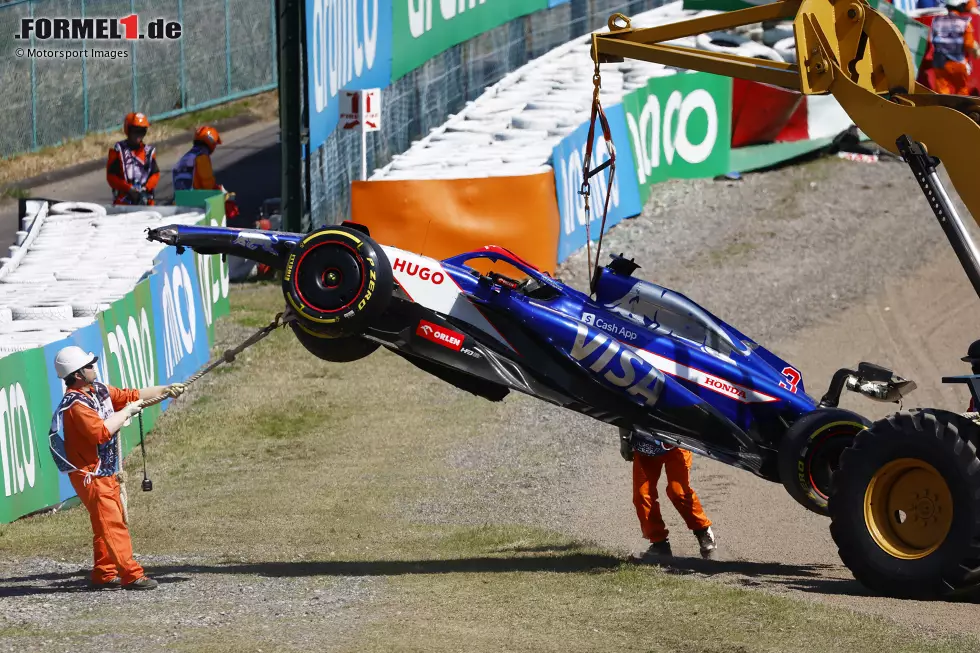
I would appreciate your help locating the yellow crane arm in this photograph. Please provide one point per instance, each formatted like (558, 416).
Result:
(850, 50)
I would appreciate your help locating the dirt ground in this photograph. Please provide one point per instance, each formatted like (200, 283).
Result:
(827, 263)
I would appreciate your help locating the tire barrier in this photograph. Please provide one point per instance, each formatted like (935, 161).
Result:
(84, 274)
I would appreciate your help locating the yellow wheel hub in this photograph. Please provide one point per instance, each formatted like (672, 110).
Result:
(908, 508)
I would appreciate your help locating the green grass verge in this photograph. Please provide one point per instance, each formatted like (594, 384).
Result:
(287, 466)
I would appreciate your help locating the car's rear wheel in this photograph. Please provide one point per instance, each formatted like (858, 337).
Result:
(338, 280)
(810, 451)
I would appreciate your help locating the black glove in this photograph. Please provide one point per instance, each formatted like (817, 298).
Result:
(625, 444)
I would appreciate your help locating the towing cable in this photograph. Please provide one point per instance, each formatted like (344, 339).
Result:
(281, 320)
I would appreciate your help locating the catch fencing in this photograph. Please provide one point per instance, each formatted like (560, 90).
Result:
(227, 50)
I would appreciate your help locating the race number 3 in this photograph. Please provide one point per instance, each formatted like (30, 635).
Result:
(792, 379)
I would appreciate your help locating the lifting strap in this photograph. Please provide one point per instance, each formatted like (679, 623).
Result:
(281, 320)
(587, 174)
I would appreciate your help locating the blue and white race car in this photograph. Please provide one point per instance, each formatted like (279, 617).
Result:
(634, 355)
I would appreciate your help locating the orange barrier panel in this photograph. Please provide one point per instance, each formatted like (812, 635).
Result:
(444, 217)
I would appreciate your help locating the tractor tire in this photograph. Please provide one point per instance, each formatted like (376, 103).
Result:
(810, 451)
(333, 350)
(905, 505)
(339, 280)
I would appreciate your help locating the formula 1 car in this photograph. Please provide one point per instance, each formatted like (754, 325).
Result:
(639, 356)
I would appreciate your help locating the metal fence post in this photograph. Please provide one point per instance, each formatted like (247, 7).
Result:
(84, 81)
(274, 42)
(132, 10)
(305, 127)
(33, 92)
(227, 51)
(291, 41)
(183, 65)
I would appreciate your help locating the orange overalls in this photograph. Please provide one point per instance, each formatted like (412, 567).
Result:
(128, 167)
(952, 42)
(90, 448)
(646, 475)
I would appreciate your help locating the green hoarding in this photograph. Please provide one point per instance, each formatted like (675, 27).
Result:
(128, 333)
(424, 28)
(133, 334)
(30, 477)
(680, 128)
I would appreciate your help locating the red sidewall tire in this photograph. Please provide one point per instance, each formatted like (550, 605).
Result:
(810, 450)
(338, 280)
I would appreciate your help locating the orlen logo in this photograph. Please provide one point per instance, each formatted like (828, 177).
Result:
(725, 388)
(445, 337)
(649, 385)
(416, 270)
(668, 128)
(18, 457)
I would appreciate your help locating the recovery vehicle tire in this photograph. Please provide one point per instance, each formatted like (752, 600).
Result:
(905, 505)
(338, 279)
(809, 453)
(333, 350)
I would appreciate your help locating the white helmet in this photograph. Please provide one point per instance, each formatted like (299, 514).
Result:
(71, 359)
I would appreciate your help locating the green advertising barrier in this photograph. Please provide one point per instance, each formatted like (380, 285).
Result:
(680, 128)
(130, 360)
(423, 29)
(132, 338)
(30, 477)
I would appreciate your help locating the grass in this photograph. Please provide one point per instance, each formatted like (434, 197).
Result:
(17, 193)
(291, 468)
(94, 146)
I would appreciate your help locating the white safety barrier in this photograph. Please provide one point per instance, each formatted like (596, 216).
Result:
(71, 260)
(514, 126)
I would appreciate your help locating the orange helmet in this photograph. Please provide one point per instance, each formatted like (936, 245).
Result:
(135, 120)
(209, 136)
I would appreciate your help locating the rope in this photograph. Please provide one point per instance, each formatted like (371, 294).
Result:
(600, 114)
(281, 320)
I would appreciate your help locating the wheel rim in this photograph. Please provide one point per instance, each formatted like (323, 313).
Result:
(329, 277)
(908, 508)
(824, 458)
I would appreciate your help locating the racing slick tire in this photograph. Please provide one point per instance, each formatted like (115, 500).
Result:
(905, 505)
(338, 279)
(810, 450)
(333, 350)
